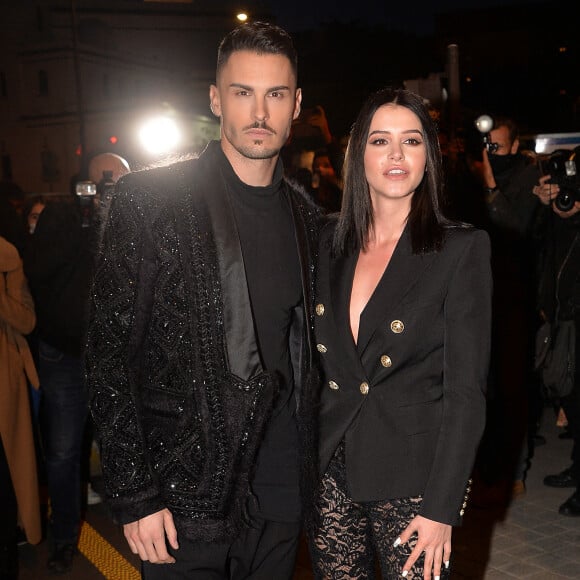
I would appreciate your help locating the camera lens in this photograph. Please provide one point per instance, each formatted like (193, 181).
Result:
(565, 200)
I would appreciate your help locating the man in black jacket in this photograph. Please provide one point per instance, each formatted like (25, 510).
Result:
(200, 354)
(514, 401)
(559, 301)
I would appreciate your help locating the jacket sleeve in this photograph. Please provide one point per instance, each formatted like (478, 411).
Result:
(513, 207)
(16, 306)
(467, 343)
(124, 275)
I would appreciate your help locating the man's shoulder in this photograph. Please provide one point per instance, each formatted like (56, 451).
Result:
(159, 186)
(302, 197)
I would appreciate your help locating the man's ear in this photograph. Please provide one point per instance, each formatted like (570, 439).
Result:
(515, 146)
(214, 101)
(298, 104)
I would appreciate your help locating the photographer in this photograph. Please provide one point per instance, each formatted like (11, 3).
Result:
(559, 300)
(507, 177)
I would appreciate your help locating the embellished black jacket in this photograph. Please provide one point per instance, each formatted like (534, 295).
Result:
(177, 390)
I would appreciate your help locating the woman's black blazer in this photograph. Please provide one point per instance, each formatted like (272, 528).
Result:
(408, 397)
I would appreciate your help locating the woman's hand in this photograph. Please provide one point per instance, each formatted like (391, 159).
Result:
(434, 539)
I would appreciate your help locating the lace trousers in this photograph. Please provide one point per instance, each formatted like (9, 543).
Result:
(347, 536)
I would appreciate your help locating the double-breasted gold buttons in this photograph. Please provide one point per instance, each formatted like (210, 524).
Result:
(321, 348)
(320, 309)
(386, 361)
(397, 326)
(364, 388)
(334, 386)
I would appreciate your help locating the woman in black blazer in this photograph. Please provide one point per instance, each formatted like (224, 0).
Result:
(403, 330)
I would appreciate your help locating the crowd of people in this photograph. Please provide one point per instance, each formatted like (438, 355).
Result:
(290, 333)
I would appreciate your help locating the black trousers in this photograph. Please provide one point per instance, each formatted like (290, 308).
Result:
(264, 550)
(571, 406)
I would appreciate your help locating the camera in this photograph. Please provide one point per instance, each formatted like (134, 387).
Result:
(561, 166)
(86, 189)
(86, 192)
(484, 124)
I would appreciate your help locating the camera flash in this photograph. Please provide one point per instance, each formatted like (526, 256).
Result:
(484, 123)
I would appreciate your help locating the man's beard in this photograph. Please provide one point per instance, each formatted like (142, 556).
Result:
(256, 151)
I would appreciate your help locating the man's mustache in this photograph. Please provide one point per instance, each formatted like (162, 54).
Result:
(260, 125)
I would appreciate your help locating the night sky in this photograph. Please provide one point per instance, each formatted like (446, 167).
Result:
(414, 15)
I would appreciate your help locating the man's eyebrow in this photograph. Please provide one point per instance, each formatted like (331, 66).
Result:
(269, 90)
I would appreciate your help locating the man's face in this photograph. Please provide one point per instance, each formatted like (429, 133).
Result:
(257, 99)
(501, 136)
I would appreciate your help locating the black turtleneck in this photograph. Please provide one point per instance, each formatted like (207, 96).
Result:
(267, 236)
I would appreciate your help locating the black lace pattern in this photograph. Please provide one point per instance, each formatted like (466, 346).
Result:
(348, 536)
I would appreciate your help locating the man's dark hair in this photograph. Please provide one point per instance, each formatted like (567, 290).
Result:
(509, 123)
(259, 37)
(426, 219)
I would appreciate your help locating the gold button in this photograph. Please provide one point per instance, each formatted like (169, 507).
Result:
(461, 512)
(397, 326)
(386, 361)
(333, 385)
(320, 309)
(321, 348)
(364, 388)
(464, 504)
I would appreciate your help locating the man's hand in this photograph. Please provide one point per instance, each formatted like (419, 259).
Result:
(146, 537)
(434, 539)
(487, 176)
(545, 192)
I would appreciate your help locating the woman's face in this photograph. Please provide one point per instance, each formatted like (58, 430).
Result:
(395, 154)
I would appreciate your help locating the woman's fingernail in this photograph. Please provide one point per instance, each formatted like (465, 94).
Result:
(404, 574)
(446, 564)
(397, 542)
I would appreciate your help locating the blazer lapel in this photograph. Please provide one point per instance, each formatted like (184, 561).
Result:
(304, 251)
(341, 277)
(403, 272)
(242, 345)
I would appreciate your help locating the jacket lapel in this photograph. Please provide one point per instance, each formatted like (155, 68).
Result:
(304, 252)
(403, 272)
(240, 335)
(341, 277)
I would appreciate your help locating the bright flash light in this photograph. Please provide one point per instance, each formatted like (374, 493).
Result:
(159, 135)
(242, 16)
(541, 145)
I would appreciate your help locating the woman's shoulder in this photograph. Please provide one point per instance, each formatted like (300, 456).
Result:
(460, 235)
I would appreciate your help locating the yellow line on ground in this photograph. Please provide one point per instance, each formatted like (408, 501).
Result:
(104, 557)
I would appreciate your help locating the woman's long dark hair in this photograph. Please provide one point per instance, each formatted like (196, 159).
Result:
(426, 220)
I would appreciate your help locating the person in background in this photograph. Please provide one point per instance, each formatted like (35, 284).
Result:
(59, 264)
(326, 186)
(507, 177)
(559, 300)
(18, 478)
(199, 347)
(403, 329)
